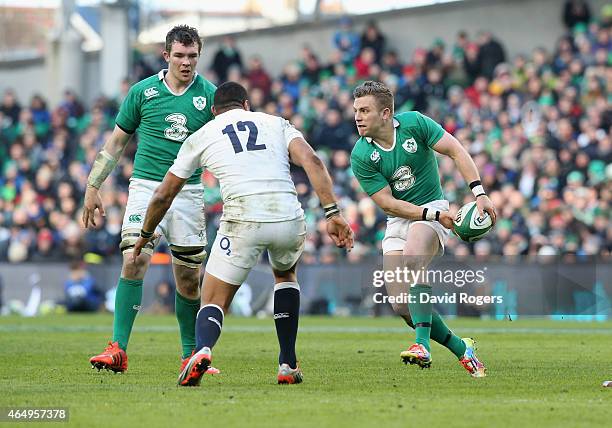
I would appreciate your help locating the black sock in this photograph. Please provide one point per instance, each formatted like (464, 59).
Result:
(208, 326)
(286, 316)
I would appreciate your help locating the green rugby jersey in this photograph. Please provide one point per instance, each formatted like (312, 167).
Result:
(409, 167)
(164, 120)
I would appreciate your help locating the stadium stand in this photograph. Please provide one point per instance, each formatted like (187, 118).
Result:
(537, 125)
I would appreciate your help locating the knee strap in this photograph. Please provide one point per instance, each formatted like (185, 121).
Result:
(128, 241)
(191, 257)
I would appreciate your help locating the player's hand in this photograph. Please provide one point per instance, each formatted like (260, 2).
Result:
(91, 203)
(140, 244)
(484, 205)
(447, 219)
(340, 232)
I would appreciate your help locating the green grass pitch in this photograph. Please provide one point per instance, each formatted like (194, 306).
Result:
(541, 373)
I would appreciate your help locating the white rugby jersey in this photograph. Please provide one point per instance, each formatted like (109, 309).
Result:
(248, 153)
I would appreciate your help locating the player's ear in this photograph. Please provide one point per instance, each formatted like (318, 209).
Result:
(166, 55)
(246, 105)
(214, 110)
(386, 113)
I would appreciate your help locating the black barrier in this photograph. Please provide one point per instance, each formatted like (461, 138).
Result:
(560, 288)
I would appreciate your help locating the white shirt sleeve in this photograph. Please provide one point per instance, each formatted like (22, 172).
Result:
(289, 131)
(189, 156)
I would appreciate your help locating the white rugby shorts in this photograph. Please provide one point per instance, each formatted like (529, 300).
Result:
(183, 225)
(238, 246)
(397, 229)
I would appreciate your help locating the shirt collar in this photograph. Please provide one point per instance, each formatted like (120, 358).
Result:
(162, 74)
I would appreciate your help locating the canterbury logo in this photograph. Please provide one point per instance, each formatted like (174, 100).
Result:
(135, 218)
(150, 92)
(216, 321)
(281, 315)
(136, 307)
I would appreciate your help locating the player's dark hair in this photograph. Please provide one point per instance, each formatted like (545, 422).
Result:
(185, 35)
(382, 94)
(229, 94)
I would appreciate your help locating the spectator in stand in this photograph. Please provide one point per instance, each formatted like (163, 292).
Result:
(346, 40)
(10, 108)
(258, 77)
(490, 53)
(471, 62)
(391, 63)
(462, 40)
(576, 12)
(435, 55)
(311, 69)
(363, 63)
(72, 105)
(538, 129)
(333, 133)
(374, 39)
(226, 57)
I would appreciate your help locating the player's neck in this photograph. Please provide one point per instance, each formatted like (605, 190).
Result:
(176, 85)
(385, 136)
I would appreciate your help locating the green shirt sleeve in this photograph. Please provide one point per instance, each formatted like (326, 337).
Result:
(428, 129)
(128, 117)
(371, 181)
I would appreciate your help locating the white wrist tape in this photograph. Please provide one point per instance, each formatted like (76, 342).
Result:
(101, 168)
(478, 190)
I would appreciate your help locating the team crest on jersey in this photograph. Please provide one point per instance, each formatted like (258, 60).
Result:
(375, 156)
(410, 145)
(199, 102)
(403, 178)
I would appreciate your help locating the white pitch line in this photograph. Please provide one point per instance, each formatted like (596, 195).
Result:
(306, 329)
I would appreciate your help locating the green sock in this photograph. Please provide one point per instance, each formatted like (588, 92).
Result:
(445, 337)
(127, 304)
(186, 313)
(421, 313)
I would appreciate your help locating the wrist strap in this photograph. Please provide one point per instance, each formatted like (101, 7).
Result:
(430, 215)
(331, 210)
(477, 188)
(146, 235)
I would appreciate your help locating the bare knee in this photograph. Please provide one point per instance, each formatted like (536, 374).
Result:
(401, 309)
(134, 269)
(187, 281)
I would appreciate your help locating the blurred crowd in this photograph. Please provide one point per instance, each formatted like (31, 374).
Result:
(537, 126)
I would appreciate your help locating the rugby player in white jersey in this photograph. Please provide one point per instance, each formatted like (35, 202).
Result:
(249, 153)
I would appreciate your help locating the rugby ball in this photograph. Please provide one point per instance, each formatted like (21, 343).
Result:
(469, 226)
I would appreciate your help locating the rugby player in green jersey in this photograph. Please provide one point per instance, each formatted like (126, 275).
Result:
(395, 164)
(165, 109)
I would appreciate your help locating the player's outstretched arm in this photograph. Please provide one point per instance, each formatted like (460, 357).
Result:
(450, 146)
(103, 165)
(158, 206)
(303, 155)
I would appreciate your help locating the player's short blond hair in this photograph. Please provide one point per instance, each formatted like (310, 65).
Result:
(380, 92)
